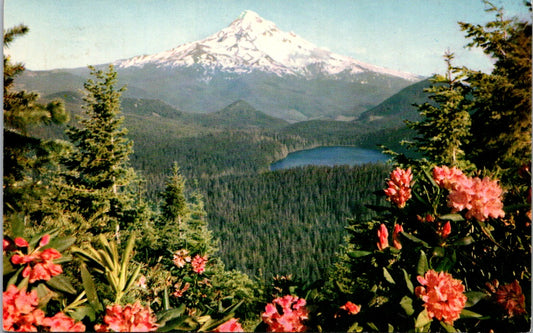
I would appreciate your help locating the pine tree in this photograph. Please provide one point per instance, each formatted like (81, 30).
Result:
(99, 176)
(28, 161)
(445, 128)
(501, 121)
(174, 206)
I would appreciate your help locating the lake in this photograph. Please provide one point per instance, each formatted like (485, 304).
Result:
(338, 155)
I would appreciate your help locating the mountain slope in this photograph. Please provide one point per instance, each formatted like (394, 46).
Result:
(276, 72)
(240, 115)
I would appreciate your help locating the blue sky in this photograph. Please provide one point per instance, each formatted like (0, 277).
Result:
(407, 35)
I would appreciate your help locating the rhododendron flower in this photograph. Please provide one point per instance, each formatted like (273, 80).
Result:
(351, 308)
(44, 241)
(130, 318)
(21, 242)
(198, 263)
(399, 186)
(180, 291)
(181, 258)
(39, 265)
(445, 230)
(448, 178)
(6, 244)
(443, 295)
(511, 298)
(396, 236)
(290, 319)
(231, 325)
(481, 197)
(20, 313)
(383, 235)
(63, 323)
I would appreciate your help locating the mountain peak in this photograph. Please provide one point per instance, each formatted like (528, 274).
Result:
(252, 43)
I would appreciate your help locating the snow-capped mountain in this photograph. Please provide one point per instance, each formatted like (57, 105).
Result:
(276, 72)
(251, 43)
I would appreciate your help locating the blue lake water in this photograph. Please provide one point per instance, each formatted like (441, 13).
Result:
(330, 156)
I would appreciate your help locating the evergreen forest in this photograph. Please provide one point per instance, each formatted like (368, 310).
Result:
(127, 214)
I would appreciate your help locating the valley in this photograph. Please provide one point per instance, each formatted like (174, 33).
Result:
(225, 120)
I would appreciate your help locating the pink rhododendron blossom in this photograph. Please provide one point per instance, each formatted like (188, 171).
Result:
(396, 236)
(383, 235)
(231, 325)
(448, 178)
(181, 258)
(20, 313)
(351, 308)
(443, 295)
(180, 291)
(63, 323)
(198, 263)
(510, 297)
(130, 318)
(399, 186)
(291, 318)
(39, 265)
(482, 198)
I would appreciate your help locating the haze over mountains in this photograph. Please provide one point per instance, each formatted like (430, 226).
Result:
(276, 72)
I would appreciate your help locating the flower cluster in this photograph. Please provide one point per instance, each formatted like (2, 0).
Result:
(443, 295)
(20, 314)
(181, 258)
(481, 197)
(351, 308)
(509, 297)
(399, 186)
(290, 319)
(383, 236)
(231, 325)
(130, 318)
(39, 265)
(198, 263)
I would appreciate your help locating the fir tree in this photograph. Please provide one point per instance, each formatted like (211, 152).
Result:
(28, 161)
(445, 126)
(99, 176)
(174, 206)
(501, 121)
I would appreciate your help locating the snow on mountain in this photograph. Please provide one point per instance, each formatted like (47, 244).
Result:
(252, 43)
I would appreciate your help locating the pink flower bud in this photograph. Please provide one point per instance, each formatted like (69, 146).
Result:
(21, 242)
(45, 240)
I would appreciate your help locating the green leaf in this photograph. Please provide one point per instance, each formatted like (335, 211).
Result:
(373, 326)
(474, 297)
(166, 315)
(448, 327)
(469, 314)
(355, 328)
(452, 217)
(90, 288)
(423, 265)
(82, 312)
(387, 276)
(408, 281)
(464, 241)
(61, 244)
(423, 319)
(391, 328)
(357, 253)
(13, 279)
(407, 305)
(415, 239)
(61, 283)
